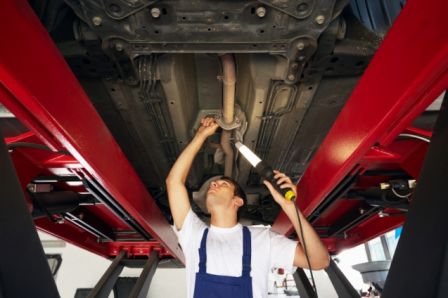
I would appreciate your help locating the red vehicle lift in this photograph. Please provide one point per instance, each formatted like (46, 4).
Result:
(408, 72)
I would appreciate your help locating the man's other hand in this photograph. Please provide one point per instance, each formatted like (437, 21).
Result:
(283, 181)
(208, 127)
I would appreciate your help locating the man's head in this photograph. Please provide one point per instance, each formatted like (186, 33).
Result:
(225, 192)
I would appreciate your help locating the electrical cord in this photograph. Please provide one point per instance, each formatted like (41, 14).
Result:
(406, 196)
(305, 249)
(414, 136)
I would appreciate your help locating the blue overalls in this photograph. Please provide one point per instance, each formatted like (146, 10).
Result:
(217, 286)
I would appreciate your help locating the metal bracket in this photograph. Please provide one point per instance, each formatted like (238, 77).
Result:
(235, 124)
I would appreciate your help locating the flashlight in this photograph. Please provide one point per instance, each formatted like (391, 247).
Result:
(264, 170)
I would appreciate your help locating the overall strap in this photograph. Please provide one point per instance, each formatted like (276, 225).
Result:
(247, 252)
(203, 252)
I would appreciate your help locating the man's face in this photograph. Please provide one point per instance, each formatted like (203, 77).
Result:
(220, 192)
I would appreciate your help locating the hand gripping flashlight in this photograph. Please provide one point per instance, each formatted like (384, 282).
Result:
(264, 170)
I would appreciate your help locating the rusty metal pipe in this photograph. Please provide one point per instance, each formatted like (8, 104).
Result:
(228, 151)
(229, 80)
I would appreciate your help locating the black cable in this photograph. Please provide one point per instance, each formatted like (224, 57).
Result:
(304, 248)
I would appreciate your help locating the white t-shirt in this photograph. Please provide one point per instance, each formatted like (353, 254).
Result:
(225, 252)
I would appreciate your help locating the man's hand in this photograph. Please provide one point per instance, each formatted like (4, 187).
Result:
(208, 127)
(284, 182)
(317, 252)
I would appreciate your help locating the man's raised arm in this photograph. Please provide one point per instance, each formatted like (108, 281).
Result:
(175, 182)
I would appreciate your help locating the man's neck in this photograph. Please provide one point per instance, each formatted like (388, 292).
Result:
(223, 219)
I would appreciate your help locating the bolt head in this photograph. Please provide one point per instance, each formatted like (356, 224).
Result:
(155, 12)
(119, 46)
(291, 77)
(300, 45)
(301, 58)
(97, 20)
(381, 214)
(261, 12)
(320, 19)
(384, 185)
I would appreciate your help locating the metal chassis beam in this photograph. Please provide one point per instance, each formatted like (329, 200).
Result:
(395, 88)
(44, 94)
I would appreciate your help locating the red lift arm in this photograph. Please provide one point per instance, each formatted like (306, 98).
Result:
(409, 70)
(41, 90)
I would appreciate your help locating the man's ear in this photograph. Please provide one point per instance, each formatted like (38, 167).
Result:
(238, 201)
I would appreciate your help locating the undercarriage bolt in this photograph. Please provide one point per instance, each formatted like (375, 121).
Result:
(291, 77)
(412, 184)
(384, 185)
(97, 20)
(119, 46)
(261, 12)
(382, 214)
(155, 12)
(300, 45)
(320, 19)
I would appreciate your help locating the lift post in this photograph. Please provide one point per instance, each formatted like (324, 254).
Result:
(141, 287)
(109, 278)
(303, 284)
(340, 283)
(420, 264)
(24, 270)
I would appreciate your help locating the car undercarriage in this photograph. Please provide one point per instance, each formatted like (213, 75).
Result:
(152, 70)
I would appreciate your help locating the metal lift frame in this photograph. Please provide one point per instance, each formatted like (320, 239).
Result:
(409, 70)
(407, 73)
(45, 95)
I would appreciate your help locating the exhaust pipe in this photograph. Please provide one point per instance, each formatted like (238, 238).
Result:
(229, 80)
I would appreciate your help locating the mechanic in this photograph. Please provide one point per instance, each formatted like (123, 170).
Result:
(228, 259)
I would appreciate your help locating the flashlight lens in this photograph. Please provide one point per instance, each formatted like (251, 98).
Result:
(248, 154)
